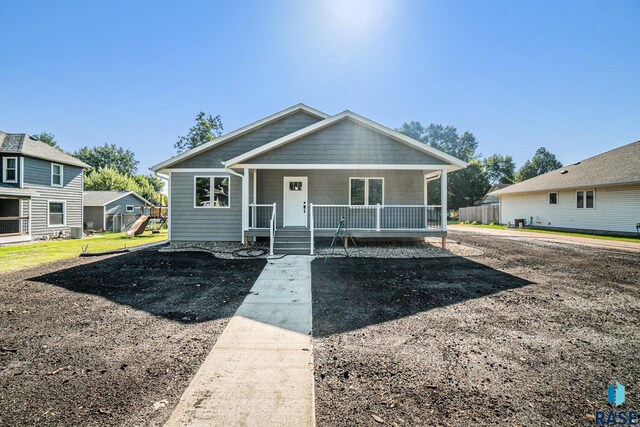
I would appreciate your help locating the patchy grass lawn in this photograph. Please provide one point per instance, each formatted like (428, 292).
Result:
(18, 257)
(562, 233)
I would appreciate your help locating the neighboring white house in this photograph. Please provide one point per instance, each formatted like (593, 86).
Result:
(599, 194)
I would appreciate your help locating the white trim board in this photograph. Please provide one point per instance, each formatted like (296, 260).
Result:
(343, 166)
(452, 161)
(238, 132)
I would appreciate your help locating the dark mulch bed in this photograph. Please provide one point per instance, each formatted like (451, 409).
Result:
(98, 341)
(526, 334)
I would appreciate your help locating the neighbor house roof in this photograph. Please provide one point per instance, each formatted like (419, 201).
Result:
(102, 198)
(238, 132)
(22, 143)
(615, 167)
(455, 162)
(490, 198)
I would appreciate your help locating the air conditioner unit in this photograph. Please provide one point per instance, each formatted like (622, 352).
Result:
(75, 232)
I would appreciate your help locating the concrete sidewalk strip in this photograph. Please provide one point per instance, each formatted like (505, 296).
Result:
(260, 371)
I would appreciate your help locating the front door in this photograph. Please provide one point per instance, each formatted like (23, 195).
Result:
(295, 201)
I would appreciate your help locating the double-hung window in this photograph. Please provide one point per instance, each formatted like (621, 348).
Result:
(586, 199)
(366, 191)
(56, 175)
(57, 212)
(211, 192)
(553, 198)
(10, 169)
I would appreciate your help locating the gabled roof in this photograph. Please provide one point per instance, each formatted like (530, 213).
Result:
(615, 167)
(455, 162)
(22, 143)
(102, 198)
(238, 132)
(489, 198)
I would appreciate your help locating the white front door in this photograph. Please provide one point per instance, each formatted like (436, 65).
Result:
(295, 201)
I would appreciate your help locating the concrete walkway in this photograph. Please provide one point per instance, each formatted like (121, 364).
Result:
(551, 237)
(260, 371)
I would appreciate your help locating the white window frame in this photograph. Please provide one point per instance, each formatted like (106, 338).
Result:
(366, 189)
(584, 199)
(133, 208)
(61, 175)
(212, 178)
(5, 169)
(64, 213)
(557, 198)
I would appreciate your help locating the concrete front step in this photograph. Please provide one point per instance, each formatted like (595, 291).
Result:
(291, 251)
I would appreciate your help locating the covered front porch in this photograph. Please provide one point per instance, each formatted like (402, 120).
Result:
(15, 219)
(298, 206)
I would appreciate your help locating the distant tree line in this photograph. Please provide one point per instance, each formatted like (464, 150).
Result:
(468, 186)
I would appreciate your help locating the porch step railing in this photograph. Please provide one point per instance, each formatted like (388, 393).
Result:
(260, 215)
(378, 217)
(14, 225)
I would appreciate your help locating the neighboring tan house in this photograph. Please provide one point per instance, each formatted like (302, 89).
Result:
(599, 194)
(293, 175)
(40, 189)
(112, 210)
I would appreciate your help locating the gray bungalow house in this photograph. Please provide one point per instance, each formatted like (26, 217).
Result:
(40, 189)
(112, 210)
(294, 175)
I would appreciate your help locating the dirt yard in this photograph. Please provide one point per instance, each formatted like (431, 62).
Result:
(112, 340)
(529, 333)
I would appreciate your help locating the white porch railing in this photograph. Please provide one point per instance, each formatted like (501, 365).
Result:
(377, 217)
(260, 215)
(272, 229)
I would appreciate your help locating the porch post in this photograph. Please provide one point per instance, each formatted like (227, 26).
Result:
(29, 220)
(443, 204)
(245, 204)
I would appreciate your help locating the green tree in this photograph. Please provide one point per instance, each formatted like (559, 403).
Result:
(109, 156)
(47, 138)
(109, 179)
(465, 187)
(543, 161)
(206, 129)
(500, 169)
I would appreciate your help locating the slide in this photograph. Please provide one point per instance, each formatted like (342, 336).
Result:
(138, 226)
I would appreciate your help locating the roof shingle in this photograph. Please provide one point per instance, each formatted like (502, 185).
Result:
(618, 166)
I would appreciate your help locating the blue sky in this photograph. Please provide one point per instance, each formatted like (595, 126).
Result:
(519, 75)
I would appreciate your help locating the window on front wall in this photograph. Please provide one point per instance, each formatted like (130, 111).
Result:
(366, 191)
(56, 175)
(553, 198)
(10, 169)
(585, 199)
(130, 208)
(211, 192)
(56, 213)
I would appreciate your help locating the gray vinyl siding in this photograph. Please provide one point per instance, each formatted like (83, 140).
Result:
(119, 207)
(214, 157)
(331, 187)
(93, 217)
(190, 224)
(37, 176)
(346, 142)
